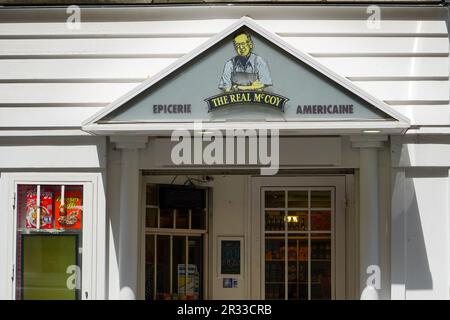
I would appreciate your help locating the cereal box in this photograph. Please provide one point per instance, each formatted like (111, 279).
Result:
(45, 210)
(68, 215)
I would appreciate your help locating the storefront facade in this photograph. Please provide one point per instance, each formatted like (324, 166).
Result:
(138, 159)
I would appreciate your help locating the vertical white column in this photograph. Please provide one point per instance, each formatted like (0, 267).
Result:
(129, 216)
(369, 215)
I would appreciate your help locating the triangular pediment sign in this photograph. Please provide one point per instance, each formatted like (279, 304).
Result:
(246, 77)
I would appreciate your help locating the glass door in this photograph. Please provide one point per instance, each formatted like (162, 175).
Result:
(49, 241)
(299, 243)
(175, 237)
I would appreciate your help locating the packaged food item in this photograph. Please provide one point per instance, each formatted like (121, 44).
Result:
(68, 215)
(45, 210)
(292, 253)
(303, 253)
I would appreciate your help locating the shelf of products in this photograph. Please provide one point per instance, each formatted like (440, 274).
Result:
(301, 255)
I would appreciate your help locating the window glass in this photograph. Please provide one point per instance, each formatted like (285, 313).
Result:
(175, 260)
(182, 221)
(298, 259)
(274, 199)
(151, 217)
(49, 242)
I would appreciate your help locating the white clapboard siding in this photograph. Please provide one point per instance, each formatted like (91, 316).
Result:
(426, 115)
(402, 91)
(114, 69)
(55, 77)
(89, 93)
(213, 26)
(371, 46)
(174, 47)
(45, 116)
(357, 68)
(61, 93)
(86, 69)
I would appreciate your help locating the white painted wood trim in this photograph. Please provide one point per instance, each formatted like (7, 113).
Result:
(198, 27)
(93, 234)
(312, 127)
(337, 181)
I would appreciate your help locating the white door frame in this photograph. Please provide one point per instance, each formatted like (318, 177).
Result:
(207, 258)
(93, 282)
(257, 236)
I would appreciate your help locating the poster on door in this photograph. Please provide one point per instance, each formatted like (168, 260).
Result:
(188, 289)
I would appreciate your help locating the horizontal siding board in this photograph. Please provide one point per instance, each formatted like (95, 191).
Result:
(371, 46)
(179, 46)
(66, 69)
(407, 90)
(24, 117)
(391, 67)
(62, 93)
(203, 27)
(80, 155)
(426, 115)
(88, 93)
(141, 68)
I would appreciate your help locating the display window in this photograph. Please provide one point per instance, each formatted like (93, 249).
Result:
(298, 247)
(49, 241)
(175, 235)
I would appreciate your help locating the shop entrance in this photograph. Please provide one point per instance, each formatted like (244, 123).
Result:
(175, 237)
(302, 226)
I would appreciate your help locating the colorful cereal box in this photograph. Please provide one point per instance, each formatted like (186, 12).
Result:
(46, 210)
(69, 214)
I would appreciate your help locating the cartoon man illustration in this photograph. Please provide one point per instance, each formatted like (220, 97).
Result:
(245, 71)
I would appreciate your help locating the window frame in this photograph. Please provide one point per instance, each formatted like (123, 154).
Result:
(93, 246)
(171, 232)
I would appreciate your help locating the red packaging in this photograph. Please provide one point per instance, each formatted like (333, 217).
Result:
(46, 210)
(69, 214)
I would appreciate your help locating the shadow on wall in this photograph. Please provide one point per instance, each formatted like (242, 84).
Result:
(418, 275)
(410, 264)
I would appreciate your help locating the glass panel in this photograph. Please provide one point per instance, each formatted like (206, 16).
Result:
(151, 217)
(274, 291)
(166, 218)
(321, 266)
(151, 195)
(163, 268)
(179, 267)
(45, 262)
(195, 275)
(275, 221)
(321, 199)
(298, 199)
(298, 267)
(275, 268)
(26, 206)
(274, 199)
(182, 220)
(49, 242)
(198, 219)
(321, 220)
(297, 220)
(149, 266)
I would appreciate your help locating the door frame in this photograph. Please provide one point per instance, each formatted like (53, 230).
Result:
(142, 232)
(257, 236)
(93, 252)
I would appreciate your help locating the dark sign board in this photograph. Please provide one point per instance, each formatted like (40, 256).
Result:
(181, 197)
(230, 257)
